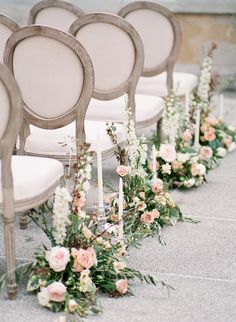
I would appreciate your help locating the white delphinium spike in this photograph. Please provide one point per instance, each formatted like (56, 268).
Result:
(61, 211)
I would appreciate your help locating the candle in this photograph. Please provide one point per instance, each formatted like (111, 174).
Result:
(154, 168)
(187, 103)
(222, 106)
(120, 210)
(197, 127)
(99, 173)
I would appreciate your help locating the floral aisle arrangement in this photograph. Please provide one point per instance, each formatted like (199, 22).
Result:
(147, 204)
(178, 163)
(81, 259)
(215, 134)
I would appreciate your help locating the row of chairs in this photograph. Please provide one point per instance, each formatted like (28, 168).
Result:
(70, 86)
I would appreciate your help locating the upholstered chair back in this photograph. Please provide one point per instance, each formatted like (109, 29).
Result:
(116, 51)
(7, 27)
(161, 35)
(55, 75)
(54, 13)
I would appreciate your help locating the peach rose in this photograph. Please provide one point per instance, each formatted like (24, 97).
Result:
(204, 127)
(157, 187)
(208, 136)
(212, 121)
(79, 202)
(56, 292)
(150, 166)
(142, 195)
(122, 170)
(194, 169)
(72, 305)
(156, 213)
(211, 129)
(167, 152)
(205, 153)
(187, 135)
(177, 165)
(147, 218)
(58, 257)
(122, 286)
(83, 258)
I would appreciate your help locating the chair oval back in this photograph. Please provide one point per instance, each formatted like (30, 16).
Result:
(116, 51)
(54, 13)
(7, 27)
(160, 32)
(54, 73)
(11, 111)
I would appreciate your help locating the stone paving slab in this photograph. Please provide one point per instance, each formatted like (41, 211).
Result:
(206, 249)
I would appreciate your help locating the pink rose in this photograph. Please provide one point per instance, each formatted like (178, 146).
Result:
(83, 258)
(187, 135)
(212, 121)
(58, 257)
(122, 286)
(56, 292)
(227, 141)
(157, 187)
(208, 136)
(142, 195)
(167, 152)
(147, 218)
(205, 153)
(150, 166)
(122, 170)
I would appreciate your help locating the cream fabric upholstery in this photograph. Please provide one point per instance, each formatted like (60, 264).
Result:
(157, 85)
(113, 61)
(5, 33)
(156, 33)
(32, 176)
(38, 64)
(147, 107)
(57, 18)
(46, 142)
(5, 109)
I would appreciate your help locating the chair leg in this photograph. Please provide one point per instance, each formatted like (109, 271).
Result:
(159, 130)
(23, 220)
(9, 233)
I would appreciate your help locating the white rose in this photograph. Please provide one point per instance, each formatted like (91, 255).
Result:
(231, 128)
(189, 183)
(167, 152)
(183, 157)
(43, 297)
(201, 169)
(166, 168)
(58, 257)
(232, 147)
(221, 152)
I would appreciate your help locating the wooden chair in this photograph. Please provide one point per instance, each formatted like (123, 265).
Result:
(161, 35)
(7, 27)
(55, 75)
(116, 51)
(26, 182)
(54, 13)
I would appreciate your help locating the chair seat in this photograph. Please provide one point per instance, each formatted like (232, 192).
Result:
(46, 142)
(156, 85)
(34, 180)
(148, 110)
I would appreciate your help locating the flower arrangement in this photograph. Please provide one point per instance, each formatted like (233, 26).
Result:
(81, 259)
(147, 205)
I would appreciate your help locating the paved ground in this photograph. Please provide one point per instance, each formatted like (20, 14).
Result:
(199, 260)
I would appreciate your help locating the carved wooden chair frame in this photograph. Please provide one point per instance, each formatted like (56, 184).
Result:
(52, 3)
(7, 144)
(168, 64)
(76, 113)
(129, 86)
